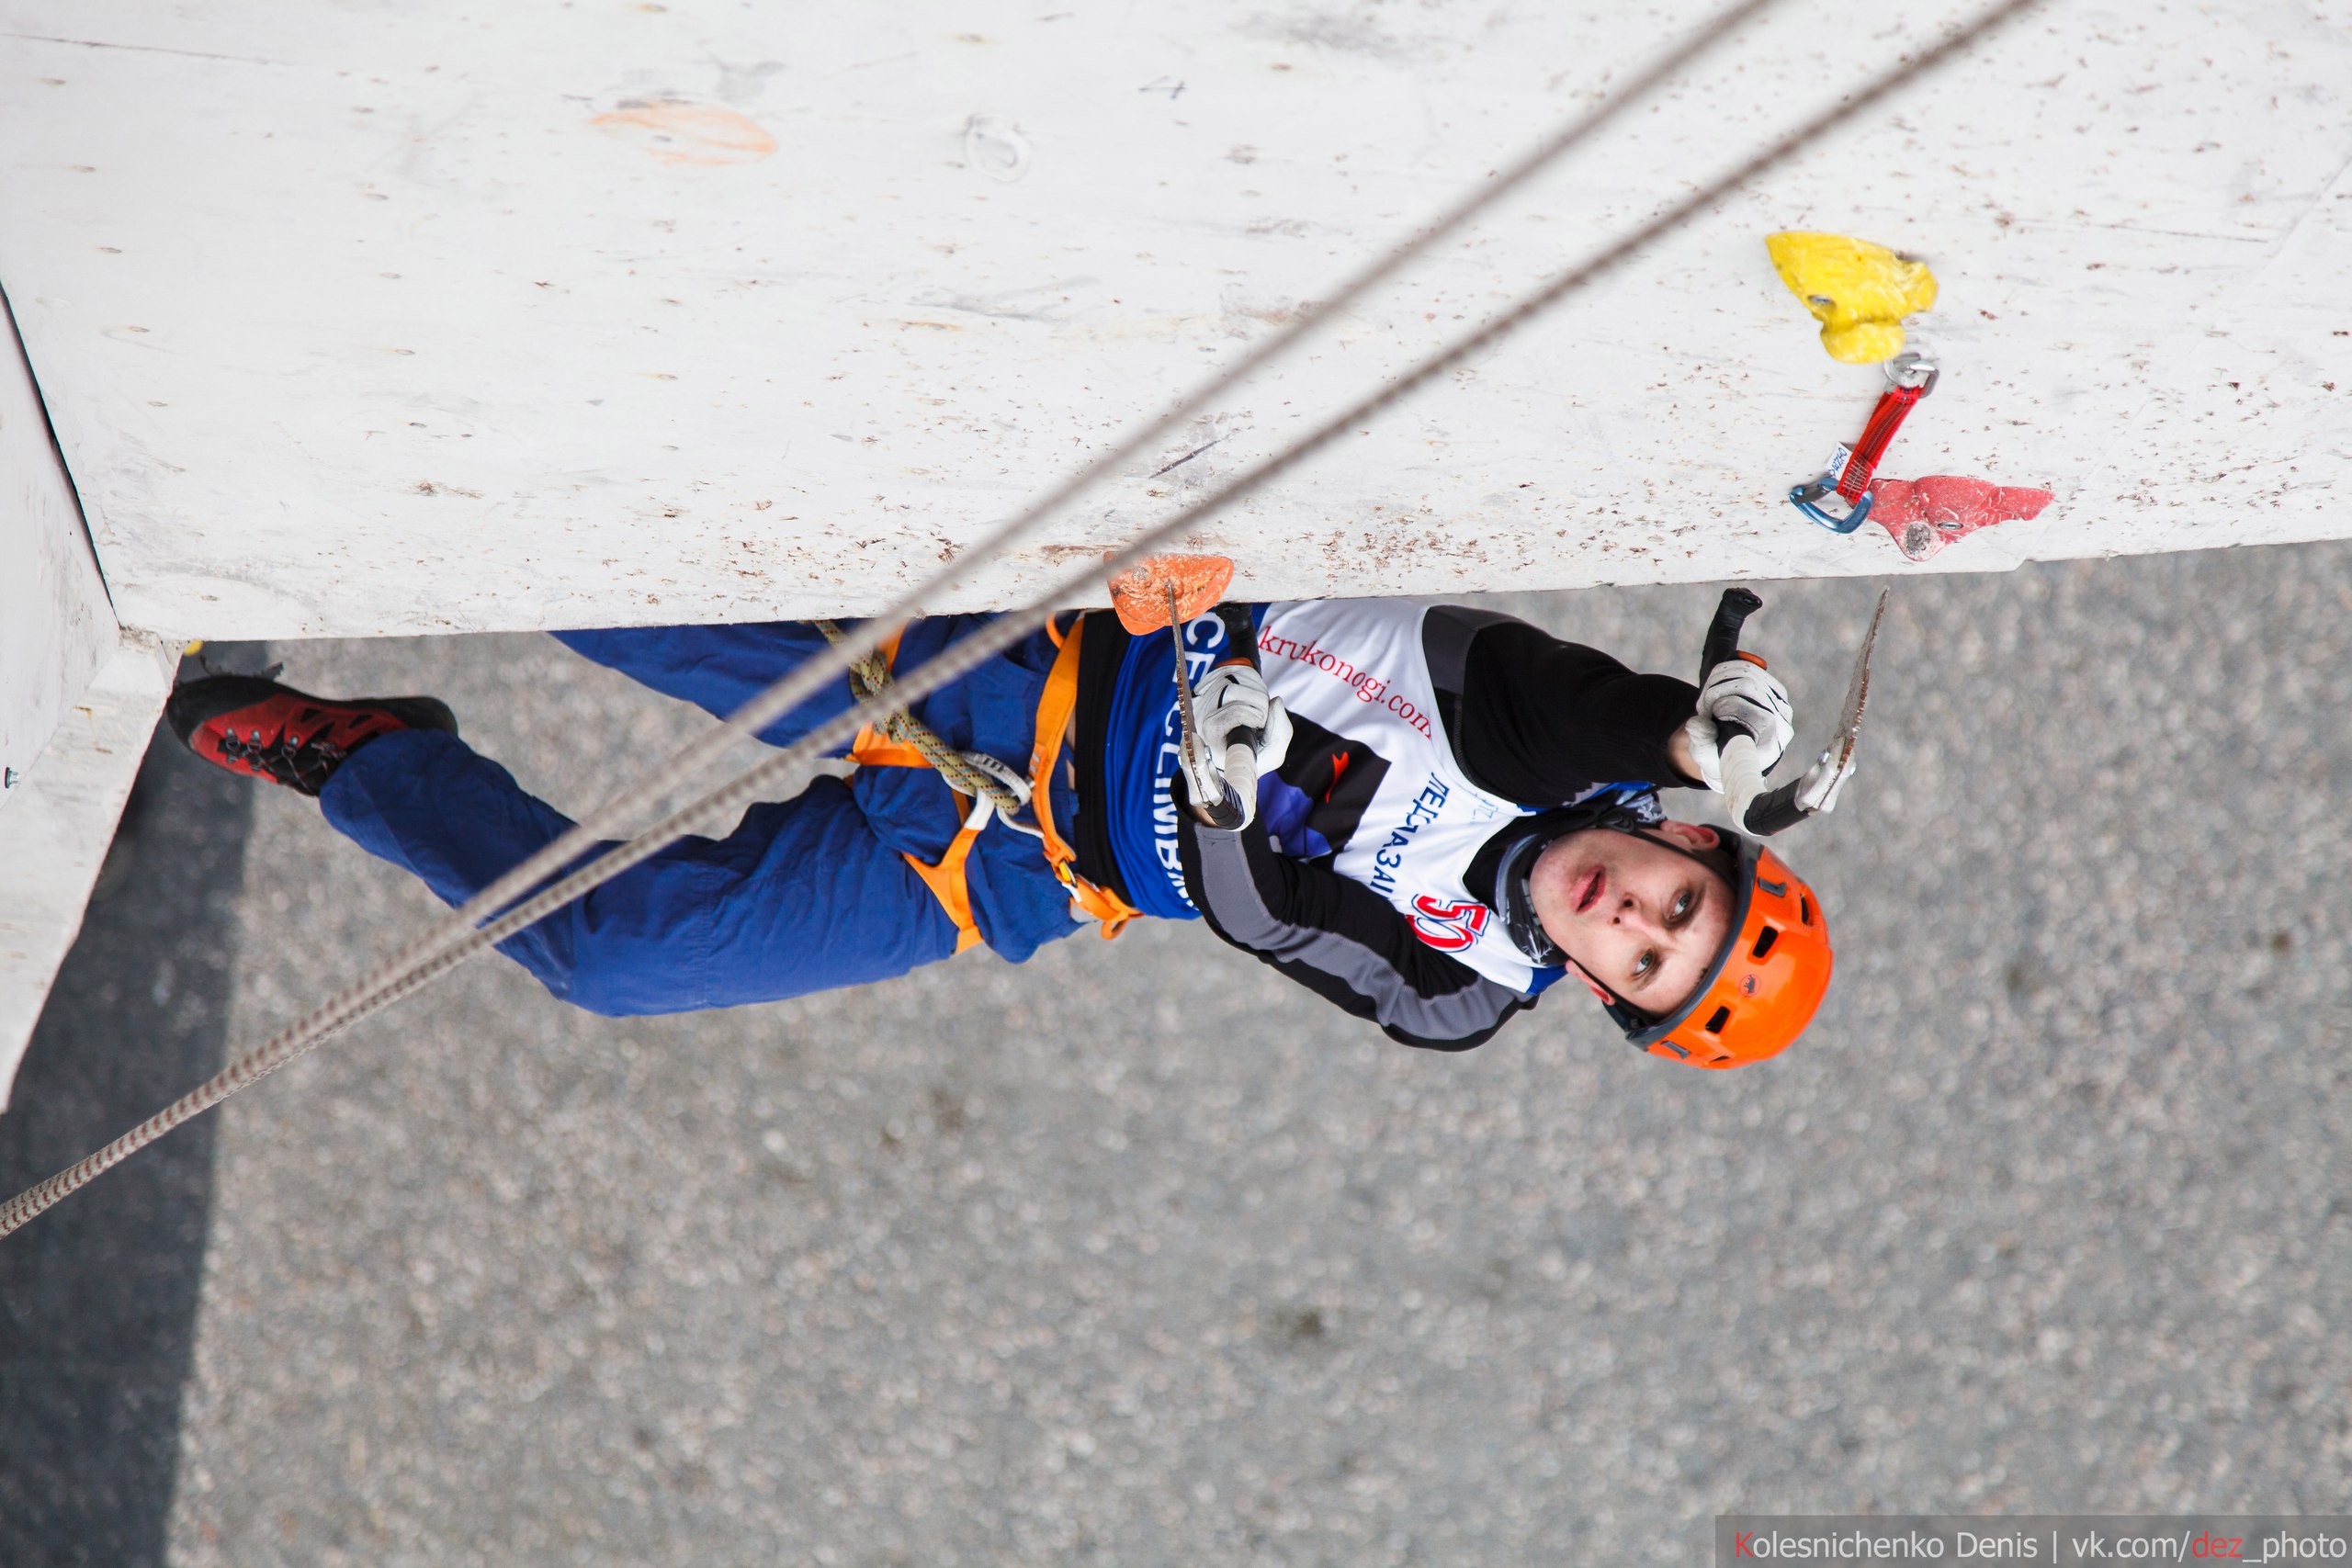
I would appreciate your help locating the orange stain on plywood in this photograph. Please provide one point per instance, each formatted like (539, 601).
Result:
(679, 132)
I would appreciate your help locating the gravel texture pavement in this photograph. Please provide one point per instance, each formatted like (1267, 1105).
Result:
(1139, 1254)
(97, 1300)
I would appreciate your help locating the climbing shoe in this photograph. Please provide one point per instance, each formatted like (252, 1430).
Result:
(249, 725)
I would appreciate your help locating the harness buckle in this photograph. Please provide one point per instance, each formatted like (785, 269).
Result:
(1017, 786)
(1002, 772)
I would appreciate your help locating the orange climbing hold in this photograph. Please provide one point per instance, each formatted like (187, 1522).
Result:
(1860, 292)
(1140, 594)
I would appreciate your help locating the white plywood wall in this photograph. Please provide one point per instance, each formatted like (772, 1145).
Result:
(56, 627)
(77, 700)
(364, 318)
(59, 822)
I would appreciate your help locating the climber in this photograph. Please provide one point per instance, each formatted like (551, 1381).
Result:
(1452, 810)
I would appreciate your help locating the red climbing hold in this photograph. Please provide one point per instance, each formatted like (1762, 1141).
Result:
(1923, 515)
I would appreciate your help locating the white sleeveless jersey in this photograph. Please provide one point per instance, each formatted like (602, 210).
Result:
(1357, 669)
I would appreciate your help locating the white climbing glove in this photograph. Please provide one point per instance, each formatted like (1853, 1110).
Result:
(1244, 732)
(1747, 695)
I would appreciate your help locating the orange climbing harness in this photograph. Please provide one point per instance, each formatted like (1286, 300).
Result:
(949, 878)
(1054, 711)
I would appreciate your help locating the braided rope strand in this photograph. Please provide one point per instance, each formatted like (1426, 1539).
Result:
(442, 948)
(383, 979)
(798, 685)
(869, 676)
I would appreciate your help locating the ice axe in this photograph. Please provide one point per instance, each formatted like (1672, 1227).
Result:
(1172, 590)
(1753, 808)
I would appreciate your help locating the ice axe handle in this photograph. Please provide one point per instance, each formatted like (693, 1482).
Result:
(1237, 777)
(1241, 763)
(1722, 644)
(1775, 809)
(1723, 637)
(1735, 744)
(1224, 813)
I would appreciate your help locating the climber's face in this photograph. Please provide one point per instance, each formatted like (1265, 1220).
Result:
(1633, 911)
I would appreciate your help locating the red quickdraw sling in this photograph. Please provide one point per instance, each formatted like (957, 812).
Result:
(1839, 499)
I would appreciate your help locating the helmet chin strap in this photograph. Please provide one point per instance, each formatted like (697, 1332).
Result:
(1602, 993)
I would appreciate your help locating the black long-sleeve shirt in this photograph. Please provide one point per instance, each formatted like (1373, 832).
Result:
(1539, 721)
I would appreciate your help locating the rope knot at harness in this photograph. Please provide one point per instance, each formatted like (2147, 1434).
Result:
(993, 786)
(992, 783)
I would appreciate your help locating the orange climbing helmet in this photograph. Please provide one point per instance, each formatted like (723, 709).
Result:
(1767, 982)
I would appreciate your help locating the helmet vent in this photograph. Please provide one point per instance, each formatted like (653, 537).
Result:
(1715, 1024)
(1764, 943)
(1804, 908)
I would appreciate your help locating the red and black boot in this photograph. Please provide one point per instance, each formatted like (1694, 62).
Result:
(249, 725)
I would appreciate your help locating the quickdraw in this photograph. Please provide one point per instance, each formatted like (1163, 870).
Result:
(1840, 499)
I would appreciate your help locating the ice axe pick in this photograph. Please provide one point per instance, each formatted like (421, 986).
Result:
(1753, 808)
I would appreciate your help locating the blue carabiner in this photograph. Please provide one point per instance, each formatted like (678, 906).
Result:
(1809, 497)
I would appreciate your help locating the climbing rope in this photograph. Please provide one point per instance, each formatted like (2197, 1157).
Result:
(869, 680)
(495, 914)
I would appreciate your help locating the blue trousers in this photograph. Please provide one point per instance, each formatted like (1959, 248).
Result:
(805, 895)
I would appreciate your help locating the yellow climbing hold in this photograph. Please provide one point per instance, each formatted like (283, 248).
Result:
(1860, 292)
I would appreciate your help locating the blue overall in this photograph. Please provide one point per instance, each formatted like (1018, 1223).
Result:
(804, 896)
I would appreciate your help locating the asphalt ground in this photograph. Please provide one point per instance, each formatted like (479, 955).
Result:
(98, 1304)
(1139, 1254)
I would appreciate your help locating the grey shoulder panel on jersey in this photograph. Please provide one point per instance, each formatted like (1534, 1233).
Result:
(1241, 911)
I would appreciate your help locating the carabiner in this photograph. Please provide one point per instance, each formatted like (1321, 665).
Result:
(1819, 498)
